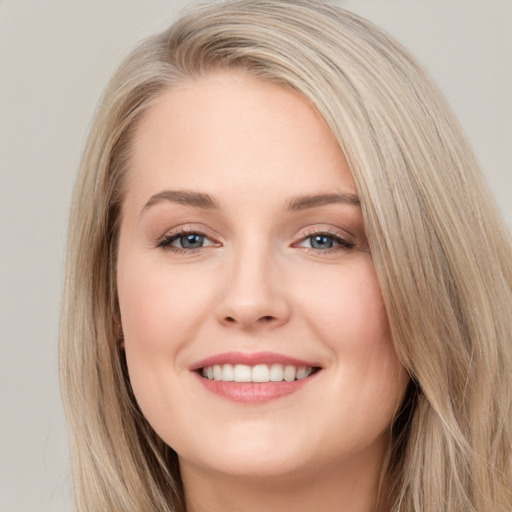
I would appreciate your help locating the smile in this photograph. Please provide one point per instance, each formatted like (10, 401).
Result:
(253, 378)
(259, 373)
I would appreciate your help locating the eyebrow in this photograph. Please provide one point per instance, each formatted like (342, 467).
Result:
(304, 202)
(206, 202)
(186, 197)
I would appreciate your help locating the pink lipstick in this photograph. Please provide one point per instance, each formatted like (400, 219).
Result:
(254, 377)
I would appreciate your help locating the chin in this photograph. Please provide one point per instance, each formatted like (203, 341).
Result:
(251, 455)
(260, 466)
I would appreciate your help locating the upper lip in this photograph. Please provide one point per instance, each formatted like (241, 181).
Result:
(251, 359)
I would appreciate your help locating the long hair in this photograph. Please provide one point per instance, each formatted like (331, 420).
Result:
(441, 252)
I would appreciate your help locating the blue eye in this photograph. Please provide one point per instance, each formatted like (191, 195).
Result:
(325, 242)
(185, 241)
(190, 241)
(321, 241)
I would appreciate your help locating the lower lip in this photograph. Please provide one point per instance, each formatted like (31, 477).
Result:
(253, 392)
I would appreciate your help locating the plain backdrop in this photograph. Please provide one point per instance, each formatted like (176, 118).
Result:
(55, 58)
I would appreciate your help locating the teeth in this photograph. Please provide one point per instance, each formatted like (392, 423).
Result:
(302, 372)
(217, 372)
(242, 373)
(276, 373)
(289, 373)
(227, 373)
(258, 373)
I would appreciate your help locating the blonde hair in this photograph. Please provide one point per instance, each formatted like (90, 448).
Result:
(440, 249)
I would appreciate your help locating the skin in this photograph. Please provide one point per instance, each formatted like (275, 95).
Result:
(257, 284)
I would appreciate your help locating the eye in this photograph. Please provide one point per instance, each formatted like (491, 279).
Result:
(189, 241)
(325, 242)
(185, 241)
(321, 241)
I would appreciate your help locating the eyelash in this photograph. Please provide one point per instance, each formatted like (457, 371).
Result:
(343, 244)
(166, 241)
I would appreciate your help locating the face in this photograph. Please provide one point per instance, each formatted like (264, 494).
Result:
(255, 333)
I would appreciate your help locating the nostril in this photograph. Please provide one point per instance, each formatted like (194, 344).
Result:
(262, 320)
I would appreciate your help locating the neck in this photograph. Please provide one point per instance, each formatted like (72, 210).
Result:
(352, 488)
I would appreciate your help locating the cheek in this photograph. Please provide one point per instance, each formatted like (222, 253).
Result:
(345, 304)
(162, 311)
(158, 304)
(350, 318)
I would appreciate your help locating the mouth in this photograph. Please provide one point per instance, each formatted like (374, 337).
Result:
(254, 378)
(259, 373)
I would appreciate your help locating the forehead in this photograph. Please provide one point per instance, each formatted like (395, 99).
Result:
(232, 131)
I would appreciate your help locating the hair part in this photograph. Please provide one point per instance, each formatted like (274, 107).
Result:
(439, 246)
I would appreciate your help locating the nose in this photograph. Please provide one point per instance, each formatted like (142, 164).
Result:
(254, 293)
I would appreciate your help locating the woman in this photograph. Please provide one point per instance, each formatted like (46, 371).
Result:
(287, 284)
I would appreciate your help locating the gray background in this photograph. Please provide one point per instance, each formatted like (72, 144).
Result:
(55, 58)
